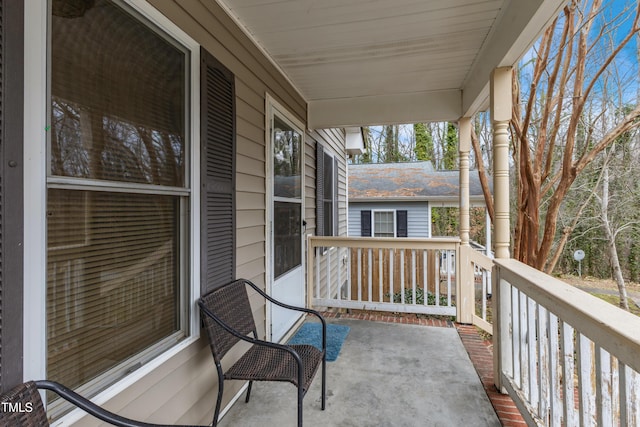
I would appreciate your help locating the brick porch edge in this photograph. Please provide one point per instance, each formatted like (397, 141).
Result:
(481, 355)
(479, 350)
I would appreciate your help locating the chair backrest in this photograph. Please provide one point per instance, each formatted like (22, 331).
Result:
(22, 407)
(228, 305)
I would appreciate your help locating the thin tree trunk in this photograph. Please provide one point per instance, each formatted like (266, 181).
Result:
(611, 241)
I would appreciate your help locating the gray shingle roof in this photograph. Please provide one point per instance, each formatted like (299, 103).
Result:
(407, 181)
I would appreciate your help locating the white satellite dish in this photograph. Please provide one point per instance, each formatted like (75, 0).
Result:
(578, 255)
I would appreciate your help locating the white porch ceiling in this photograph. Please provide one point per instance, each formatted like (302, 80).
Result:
(359, 62)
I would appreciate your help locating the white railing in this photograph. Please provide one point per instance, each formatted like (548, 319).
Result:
(566, 357)
(477, 276)
(399, 275)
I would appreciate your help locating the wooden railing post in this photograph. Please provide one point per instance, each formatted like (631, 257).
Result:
(311, 251)
(465, 283)
(502, 334)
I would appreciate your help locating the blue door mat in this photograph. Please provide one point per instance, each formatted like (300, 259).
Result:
(311, 333)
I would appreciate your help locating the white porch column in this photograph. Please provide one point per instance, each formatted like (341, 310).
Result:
(500, 93)
(463, 263)
(464, 129)
(501, 100)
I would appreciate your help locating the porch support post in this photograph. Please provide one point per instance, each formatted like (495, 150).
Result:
(500, 94)
(501, 100)
(464, 271)
(464, 128)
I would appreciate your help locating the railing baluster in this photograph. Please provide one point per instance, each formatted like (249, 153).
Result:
(532, 341)
(370, 274)
(317, 272)
(555, 373)
(449, 278)
(380, 276)
(327, 268)
(349, 281)
(604, 404)
(524, 345)
(622, 392)
(436, 268)
(586, 381)
(615, 390)
(568, 365)
(359, 274)
(402, 276)
(340, 265)
(484, 293)
(633, 396)
(391, 275)
(516, 342)
(543, 362)
(413, 275)
(425, 287)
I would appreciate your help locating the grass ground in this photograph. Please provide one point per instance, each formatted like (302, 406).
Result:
(607, 290)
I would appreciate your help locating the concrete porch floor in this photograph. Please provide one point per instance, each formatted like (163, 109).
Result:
(386, 375)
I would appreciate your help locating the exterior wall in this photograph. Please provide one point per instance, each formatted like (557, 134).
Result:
(182, 388)
(418, 217)
(333, 141)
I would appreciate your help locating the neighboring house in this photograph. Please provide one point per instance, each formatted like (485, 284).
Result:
(396, 199)
(151, 150)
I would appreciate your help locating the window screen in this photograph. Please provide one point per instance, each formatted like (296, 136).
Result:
(117, 193)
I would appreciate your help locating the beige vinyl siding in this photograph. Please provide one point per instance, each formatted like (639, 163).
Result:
(183, 390)
(333, 141)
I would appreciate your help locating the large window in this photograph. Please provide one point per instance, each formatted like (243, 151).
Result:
(117, 194)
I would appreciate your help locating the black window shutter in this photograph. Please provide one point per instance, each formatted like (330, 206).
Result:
(11, 192)
(218, 161)
(401, 224)
(319, 190)
(365, 223)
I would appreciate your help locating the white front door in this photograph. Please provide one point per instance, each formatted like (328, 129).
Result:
(286, 240)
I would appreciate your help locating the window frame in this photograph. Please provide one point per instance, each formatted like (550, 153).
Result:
(331, 158)
(373, 221)
(38, 181)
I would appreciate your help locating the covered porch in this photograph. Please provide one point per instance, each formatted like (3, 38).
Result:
(387, 374)
(565, 357)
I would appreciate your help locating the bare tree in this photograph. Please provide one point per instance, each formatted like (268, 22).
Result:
(552, 144)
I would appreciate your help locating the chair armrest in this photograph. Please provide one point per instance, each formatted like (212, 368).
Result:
(91, 408)
(292, 307)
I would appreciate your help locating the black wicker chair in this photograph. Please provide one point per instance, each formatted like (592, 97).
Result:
(227, 319)
(22, 406)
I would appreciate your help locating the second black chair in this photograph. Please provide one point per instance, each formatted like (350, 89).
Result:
(227, 318)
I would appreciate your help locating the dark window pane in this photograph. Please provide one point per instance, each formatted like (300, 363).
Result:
(118, 99)
(287, 237)
(328, 177)
(112, 279)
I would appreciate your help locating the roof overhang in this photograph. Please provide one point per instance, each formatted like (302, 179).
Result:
(396, 61)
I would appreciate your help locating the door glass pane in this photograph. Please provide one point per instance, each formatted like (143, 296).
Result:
(287, 237)
(287, 160)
